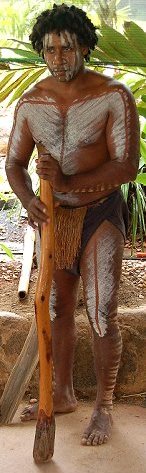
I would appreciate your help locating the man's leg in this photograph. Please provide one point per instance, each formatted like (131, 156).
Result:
(65, 291)
(100, 270)
(62, 306)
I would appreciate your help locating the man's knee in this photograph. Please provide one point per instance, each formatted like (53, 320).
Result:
(104, 320)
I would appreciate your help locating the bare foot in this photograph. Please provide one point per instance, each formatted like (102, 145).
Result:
(63, 406)
(99, 429)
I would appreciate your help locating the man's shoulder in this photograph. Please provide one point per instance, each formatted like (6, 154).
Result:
(38, 91)
(106, 84)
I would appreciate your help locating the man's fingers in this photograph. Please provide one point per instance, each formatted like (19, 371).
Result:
(41, 207)
(45, 158)
(38, 216)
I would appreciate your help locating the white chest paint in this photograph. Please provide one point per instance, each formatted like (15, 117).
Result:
(63, 134)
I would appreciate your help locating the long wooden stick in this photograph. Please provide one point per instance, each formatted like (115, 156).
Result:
(45, 428)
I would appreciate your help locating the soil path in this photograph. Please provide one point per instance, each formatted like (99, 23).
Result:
(125, 452)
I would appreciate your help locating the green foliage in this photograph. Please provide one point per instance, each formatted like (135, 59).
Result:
(7, 250)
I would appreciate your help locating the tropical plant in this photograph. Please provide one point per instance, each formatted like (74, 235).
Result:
(109, 13)
(17, 17)
(127, 53)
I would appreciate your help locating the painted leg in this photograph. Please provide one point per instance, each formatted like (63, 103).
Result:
(100, 270)
(62, 306)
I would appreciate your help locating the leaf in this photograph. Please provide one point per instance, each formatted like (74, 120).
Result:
(142, 162)
(143, 148)
(109, 49)
(140, 93)
(7, 251)
(125, 190)
(143, 97)
(15, 84)
(4, 66)
(18, 60)
(6, 79)
(141, 111)
(140, 210)
(25, 84)
(22, 52)
(121, 45)
(144, 128)
(137, 85)
(27, 45)
(136, 36)
(141, 179)
(134, 220)
(100, 55)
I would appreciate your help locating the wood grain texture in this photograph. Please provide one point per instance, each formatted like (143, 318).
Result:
(45, 428)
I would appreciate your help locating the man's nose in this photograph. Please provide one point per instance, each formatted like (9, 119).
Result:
(58, 58)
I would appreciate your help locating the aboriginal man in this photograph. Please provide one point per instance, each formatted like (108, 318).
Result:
(85, 128)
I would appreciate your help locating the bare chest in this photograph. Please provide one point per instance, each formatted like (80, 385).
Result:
(65, 131)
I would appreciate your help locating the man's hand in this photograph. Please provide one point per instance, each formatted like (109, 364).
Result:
(37, 212)
(48, 168)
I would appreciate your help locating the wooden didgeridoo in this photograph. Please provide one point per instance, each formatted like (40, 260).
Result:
(45, 428)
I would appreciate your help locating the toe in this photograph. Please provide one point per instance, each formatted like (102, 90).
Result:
(29, 413)
(100, 438)
(33, 401)
(90, 439)
(105, 440)
(25, 415)
(97, 440)
(84, 440)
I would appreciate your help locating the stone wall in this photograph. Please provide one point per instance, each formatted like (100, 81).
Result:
(132, 373)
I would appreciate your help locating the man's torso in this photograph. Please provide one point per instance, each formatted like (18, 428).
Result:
(72, 128)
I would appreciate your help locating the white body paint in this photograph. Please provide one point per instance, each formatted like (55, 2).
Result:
(47, 41)
(101, 274)
(65, 134)
(70, 68)
(98, 322)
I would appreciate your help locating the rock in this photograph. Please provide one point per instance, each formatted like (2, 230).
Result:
(132, 373)
(13, 332)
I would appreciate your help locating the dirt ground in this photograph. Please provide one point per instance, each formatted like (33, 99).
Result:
(125, 451)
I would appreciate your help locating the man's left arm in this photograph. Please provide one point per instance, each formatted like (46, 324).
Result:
(122, 137)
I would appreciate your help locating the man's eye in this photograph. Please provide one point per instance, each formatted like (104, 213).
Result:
(67, 48)
(50, 50)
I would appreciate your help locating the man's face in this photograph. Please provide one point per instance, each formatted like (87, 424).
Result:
(63, 55)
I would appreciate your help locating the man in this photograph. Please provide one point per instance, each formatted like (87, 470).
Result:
(85, 128)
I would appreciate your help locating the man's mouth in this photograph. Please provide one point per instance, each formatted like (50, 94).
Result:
(59, 71)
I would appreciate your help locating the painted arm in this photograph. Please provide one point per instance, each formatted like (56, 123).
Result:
(20, 148)
(122, 137)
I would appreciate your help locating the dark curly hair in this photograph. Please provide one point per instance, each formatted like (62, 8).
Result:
(60, 18)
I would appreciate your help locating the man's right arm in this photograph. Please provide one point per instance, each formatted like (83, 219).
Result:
(20, 148)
